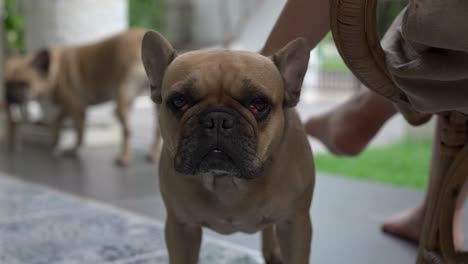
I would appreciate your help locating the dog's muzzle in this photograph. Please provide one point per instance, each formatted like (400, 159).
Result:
(219, 142)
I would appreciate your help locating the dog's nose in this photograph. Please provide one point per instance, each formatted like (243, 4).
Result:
(221, 121)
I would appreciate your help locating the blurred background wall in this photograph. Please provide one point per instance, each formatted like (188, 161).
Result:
(55, 23)
(188, 24)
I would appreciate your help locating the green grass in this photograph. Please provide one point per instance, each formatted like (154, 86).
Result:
(332, 66)
(404, 164)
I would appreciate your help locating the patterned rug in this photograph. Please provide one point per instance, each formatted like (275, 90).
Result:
(42, 226)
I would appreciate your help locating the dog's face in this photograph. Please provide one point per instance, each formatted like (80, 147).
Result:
(26, 77)
(222, 112)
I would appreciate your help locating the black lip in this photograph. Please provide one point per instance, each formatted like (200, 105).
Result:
(218, 155)
(216, 152)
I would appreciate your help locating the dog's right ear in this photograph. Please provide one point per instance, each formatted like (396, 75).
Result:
(41, 62)
(156, 53)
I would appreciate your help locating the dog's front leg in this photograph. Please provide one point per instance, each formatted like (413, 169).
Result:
(122, 115)
(295, 236)
(57, 127)
(78, 117)
(183, 241)
(270, 246)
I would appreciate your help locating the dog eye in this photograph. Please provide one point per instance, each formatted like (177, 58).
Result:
(180, 102)
(259, 106)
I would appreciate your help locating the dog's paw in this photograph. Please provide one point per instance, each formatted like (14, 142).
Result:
(122, 161)
(70, 153)
(273, 257)
(273, 260)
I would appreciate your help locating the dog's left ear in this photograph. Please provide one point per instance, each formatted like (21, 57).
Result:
(41, 62)
(157, 53)
(292, 62)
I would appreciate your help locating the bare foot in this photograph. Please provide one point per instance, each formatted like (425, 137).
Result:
(407, 225)
(339, 138)
(348, 128)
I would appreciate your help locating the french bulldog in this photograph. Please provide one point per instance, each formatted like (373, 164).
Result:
(74, 78)
(235, 157)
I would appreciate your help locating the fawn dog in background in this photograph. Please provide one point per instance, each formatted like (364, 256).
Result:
(74, 78)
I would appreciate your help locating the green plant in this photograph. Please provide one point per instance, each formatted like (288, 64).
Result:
(386, 13)
(14, 27)
(150, 14)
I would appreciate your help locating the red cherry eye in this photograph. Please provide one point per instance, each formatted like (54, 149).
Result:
(180, 102)
(258, 106)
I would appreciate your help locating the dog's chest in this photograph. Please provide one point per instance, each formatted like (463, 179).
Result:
(248, 219)
(231, 206)
(232, 224)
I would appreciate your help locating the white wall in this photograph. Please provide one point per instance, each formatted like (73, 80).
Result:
(259, 26)
(207, 24)
(51, 23)
(207, 21)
